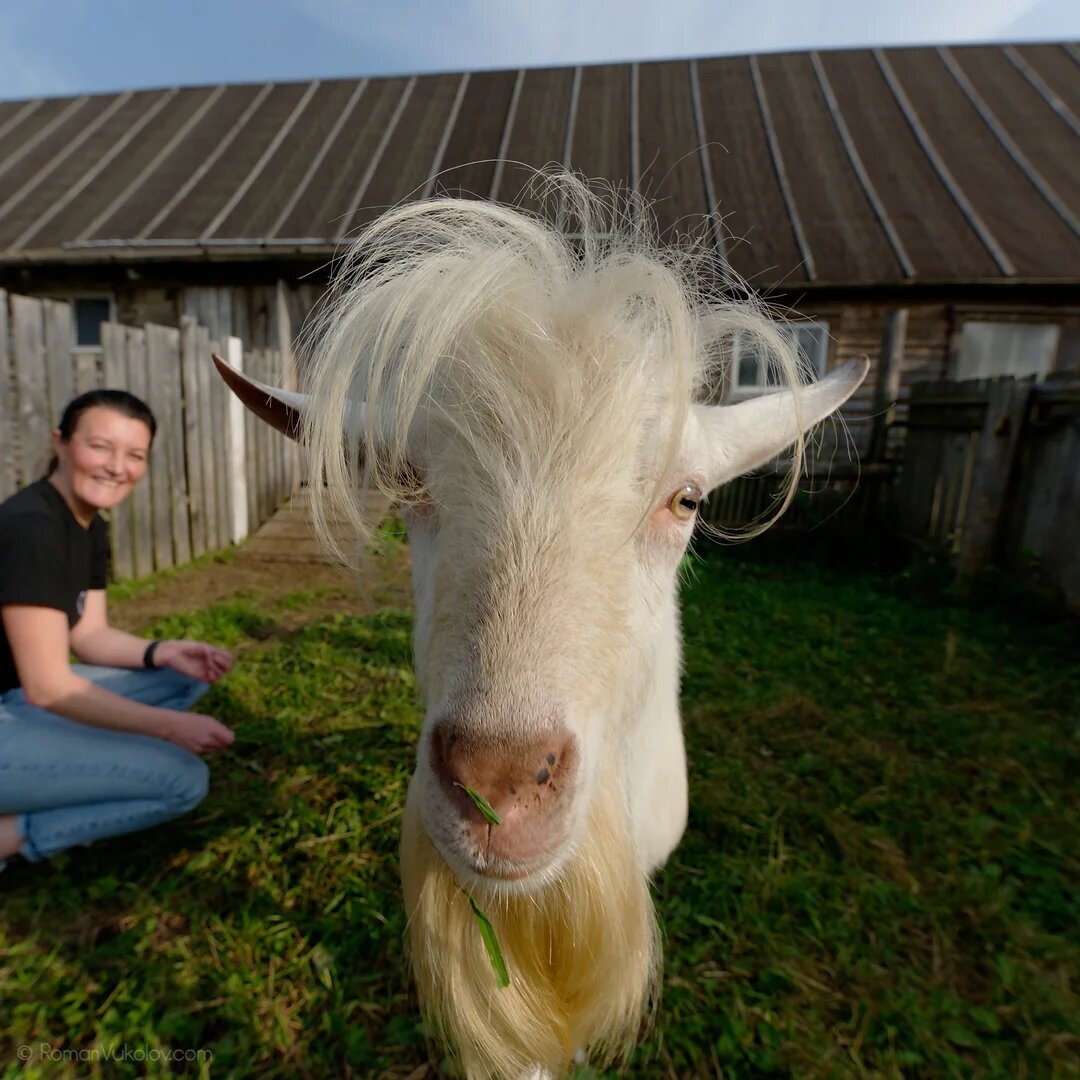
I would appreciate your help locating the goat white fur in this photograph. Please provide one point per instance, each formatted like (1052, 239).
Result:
(528, 396)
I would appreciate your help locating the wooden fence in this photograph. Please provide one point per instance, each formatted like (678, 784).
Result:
(991, 474)
(215, 474)
(829, 492)
(988, 472)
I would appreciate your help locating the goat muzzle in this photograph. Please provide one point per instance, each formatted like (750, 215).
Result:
(528, 783)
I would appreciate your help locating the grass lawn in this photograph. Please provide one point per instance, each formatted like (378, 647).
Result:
(880, 878)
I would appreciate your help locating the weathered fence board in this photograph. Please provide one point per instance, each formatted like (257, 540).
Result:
(175, 434)
(220, 448)
(160, 393)
(142, 511)
(210, 433)
(59, 342)
(991, 474)
(236, 448)
(263, 450)
(193, 434)
(250, 467)
(121, 521)
(28, 348)
(991, 469)
(1045, 491)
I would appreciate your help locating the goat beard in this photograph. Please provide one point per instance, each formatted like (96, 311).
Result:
(583, 954)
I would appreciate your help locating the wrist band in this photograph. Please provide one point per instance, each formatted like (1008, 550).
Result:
(148, 656)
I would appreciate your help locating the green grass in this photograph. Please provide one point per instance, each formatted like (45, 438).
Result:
(880, 877)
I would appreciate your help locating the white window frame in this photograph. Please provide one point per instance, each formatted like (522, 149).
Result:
(71, 299)
(975, 359)
(814, 331)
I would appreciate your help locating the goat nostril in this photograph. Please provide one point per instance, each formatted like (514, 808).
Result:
(551, 759)
(543, 776)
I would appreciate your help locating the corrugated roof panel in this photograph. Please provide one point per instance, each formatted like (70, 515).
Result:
(50, 138)
(937, 238)
(194, 213)
(8, 109)
(178, 166)
(1036, 129)
(406, 163)
(331, 192)
(601, 146)
(30, 128)
(1019, 219)
(838, 220)
(14, 113)
(1057, 69)
(762, 245)
(468, 164)
(77, 145)
(260, 208)
(71, 222)
(667, 141)
(538, 137)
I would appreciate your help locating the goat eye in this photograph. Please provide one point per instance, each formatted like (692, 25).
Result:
(685, 501)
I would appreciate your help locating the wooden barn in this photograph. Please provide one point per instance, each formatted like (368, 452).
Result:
(849, 186)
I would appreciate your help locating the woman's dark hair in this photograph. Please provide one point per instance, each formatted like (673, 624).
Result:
(118, 400)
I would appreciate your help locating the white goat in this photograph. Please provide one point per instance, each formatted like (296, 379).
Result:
(528, 398)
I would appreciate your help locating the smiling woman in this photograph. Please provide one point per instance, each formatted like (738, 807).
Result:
(105, 746)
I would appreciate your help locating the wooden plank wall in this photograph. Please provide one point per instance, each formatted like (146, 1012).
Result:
(181, 508)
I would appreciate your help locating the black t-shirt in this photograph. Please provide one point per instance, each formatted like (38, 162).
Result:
(47, 559)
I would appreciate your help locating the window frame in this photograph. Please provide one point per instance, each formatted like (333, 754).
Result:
(71, 299)
(957, 365)
(737, 391)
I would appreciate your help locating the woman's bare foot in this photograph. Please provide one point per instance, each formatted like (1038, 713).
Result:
(10, 840)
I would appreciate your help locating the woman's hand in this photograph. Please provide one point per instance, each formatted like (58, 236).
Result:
(194, 658)
(195, 732)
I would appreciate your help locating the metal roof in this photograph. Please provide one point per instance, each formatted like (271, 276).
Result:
(854, 167)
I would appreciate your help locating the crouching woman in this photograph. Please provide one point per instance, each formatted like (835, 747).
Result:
(105, 746)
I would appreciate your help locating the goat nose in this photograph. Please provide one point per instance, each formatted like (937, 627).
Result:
(527, 782)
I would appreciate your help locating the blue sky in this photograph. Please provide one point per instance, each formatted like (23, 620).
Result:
(72, 46)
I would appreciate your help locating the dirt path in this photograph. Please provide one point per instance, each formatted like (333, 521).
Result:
(381, 582)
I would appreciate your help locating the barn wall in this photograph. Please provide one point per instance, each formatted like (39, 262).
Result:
(241, 298)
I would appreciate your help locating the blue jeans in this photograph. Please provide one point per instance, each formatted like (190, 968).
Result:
(70, 783)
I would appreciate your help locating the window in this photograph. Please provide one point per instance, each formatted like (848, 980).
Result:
(752, 374)
(88, 313)
(988, 349)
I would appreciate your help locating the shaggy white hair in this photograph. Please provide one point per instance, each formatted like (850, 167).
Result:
(489, 346)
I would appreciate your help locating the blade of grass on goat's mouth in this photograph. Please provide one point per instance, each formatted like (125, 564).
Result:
(482, 805)
(491, 943)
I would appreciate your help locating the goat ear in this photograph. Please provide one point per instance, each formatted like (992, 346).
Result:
(281, 409)
(741, 437)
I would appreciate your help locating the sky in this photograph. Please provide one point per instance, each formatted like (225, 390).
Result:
(58, 47)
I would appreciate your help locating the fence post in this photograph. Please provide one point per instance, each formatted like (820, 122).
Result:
(1006, 409)
(236, 474)
(887, 383)
(288, 375)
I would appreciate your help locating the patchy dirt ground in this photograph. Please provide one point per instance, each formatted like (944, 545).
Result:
(380, 582)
